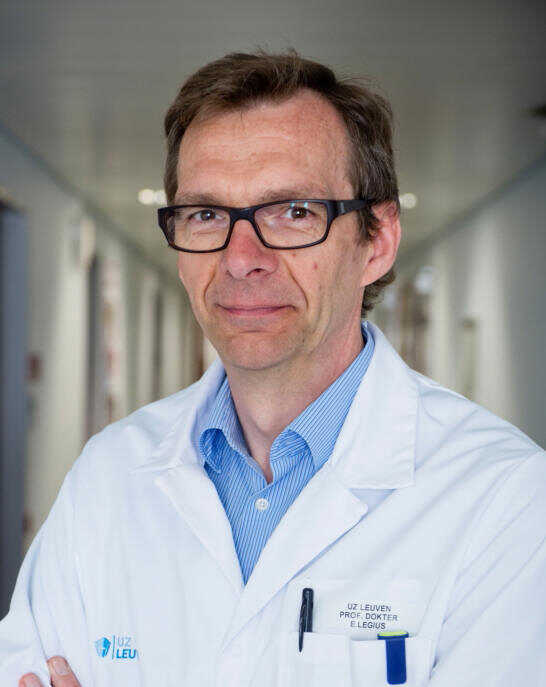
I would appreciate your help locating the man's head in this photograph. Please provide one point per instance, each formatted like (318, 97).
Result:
(251, 128)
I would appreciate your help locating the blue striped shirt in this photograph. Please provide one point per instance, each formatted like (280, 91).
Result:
(253, 507)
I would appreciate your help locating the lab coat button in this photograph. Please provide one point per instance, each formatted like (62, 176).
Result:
(261, 504)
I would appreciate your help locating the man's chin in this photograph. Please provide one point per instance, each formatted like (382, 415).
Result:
(261, 354)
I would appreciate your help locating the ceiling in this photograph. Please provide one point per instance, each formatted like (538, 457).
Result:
(85, 86)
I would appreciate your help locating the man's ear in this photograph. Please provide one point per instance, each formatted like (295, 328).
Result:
(383, 245)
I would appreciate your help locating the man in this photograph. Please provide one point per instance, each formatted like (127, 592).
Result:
(311, 511)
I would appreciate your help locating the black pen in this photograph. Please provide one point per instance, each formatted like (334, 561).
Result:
(306, 614)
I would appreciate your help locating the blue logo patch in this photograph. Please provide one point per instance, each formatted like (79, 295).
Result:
(102, 645)
(118, 648)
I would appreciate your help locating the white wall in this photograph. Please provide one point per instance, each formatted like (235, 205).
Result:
(491, 268)
(175, 352)
(58, 318)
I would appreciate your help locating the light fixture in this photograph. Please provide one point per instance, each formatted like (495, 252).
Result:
(146, 196)
(408, 201)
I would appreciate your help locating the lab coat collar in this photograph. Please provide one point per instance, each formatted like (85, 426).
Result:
(178, 472)
(375, 448)
(178, 446)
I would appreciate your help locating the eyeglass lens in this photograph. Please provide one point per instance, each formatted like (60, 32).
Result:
(284, 225)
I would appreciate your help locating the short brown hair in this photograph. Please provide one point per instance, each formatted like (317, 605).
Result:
(239, 80)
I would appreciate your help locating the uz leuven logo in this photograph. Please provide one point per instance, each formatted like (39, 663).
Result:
(102, 645)
(118, 648)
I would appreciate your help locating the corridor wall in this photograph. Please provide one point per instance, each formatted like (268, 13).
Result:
(63, 236)
(486, 303)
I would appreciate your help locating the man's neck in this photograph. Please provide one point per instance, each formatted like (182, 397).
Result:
(268, 400)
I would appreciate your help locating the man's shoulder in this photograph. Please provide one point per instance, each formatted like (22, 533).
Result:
(453, 429)
(134, 440)
(449, 426)
(124, 444)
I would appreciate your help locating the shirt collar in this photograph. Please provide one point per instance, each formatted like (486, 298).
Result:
(222, 419)
(319, 424)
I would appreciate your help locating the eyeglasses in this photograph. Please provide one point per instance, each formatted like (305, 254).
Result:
(285, 224)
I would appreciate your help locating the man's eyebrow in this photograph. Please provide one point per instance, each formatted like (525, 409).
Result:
(196, 198)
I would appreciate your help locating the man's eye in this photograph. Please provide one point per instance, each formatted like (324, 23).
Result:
(205, 215)
(298, 212)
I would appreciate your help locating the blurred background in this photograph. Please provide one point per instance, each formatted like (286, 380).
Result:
(94, 322)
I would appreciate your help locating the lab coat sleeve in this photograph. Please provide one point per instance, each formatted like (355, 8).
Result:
(494, 631)
(47, 615)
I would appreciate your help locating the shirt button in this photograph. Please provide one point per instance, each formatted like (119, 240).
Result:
(261, 504)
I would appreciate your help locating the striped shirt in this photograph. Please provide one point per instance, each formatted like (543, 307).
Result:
(253, 507)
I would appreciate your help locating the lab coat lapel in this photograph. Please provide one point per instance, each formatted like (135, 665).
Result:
(323, 512)
(177, 471)
(195, 498)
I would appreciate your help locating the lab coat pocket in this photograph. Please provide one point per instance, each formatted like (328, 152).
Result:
(369, 662)
(330, 660)
(323, 662)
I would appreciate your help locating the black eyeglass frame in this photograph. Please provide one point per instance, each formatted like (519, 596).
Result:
(334, 208)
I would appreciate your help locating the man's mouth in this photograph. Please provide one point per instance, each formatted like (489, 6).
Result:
(254, 310)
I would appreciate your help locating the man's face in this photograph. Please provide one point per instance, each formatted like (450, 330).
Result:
(295, 149)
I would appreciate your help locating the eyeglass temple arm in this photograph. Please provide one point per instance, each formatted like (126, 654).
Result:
(344, 206)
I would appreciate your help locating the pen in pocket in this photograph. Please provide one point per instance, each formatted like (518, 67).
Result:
(306, 614)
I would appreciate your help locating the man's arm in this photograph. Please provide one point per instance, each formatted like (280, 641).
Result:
(47, 616)
(494, 632)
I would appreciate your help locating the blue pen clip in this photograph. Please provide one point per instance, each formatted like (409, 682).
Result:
(395, 650)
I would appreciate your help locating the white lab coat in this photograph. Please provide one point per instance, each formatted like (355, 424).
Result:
(137, 552)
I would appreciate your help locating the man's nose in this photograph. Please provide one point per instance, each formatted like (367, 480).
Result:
(245, 252)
